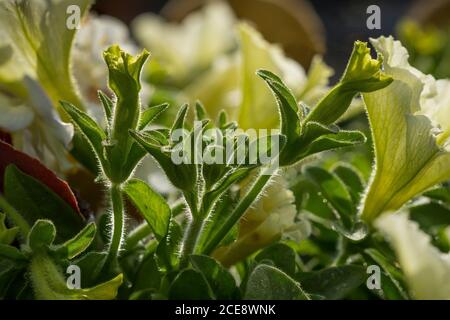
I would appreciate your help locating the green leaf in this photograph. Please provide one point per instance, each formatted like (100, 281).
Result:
(151, 205)
(168, 248)
(430, 215)
(290, 113)
(363, 74)
(12, 280)
(137, 153)
(148, 275)
(333, 283)
(7, 235)
(200, 112)
(49, 283)
(34, 200)
(11, 253)
(83, 152)
(89, 128)
(78, 244)
(41, 235)
(91, 265)
(183, 176)
(149, 115)
(180, 118)
(304, 137)
(395, 289)
(441, 193)
(409, 157)
(269, 283)
(221, 282)
(334, 141)
(103, 291)
(190, 285)
(281, 255)
(224, 184)
(351, 177)
(108, 106)
(334, 192)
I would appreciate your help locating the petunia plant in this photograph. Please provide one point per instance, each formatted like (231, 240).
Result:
(248, 181)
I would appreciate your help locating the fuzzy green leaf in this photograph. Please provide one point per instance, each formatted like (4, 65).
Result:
(333, 283)
(89, 128)
(7, 235)
(281, 255)
(190, 284)
(269, 283)
(78, 244)
(49, 283)
(11, 253)
(41, 235)
(151, 205)
(220, 280)
(151, 114)
(108, 106)
(334, 191)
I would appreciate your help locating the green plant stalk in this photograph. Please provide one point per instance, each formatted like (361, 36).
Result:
(341, 251)
(245, 203)
(140, 232)
(16, 218)
(117, 228)
(193, 230)
(192, 235)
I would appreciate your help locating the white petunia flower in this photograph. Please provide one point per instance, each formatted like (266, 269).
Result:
(232, 83)
(410, 121)
(36, 127)
(186, 48)
(271, 217)
(426, 269)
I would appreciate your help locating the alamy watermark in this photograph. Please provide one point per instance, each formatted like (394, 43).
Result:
(74, 17)
(374, 280)
(74, 279)
(374, 20)
(228, 147)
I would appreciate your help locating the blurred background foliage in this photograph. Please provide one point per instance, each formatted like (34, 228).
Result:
(329, 27)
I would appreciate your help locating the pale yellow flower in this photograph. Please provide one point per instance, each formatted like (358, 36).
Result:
(426, 269)
(186, 48)
(410, 121)
(271, 217)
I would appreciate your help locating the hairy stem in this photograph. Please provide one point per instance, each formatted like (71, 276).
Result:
(117, 226)
(248, 199)
(190, 240)
(140, 232)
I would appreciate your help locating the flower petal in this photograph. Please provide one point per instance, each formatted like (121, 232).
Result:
(15, 115)
(39, 40)
(408, 159)
(427, 270)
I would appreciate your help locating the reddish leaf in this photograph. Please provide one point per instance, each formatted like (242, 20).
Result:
(34, 168)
